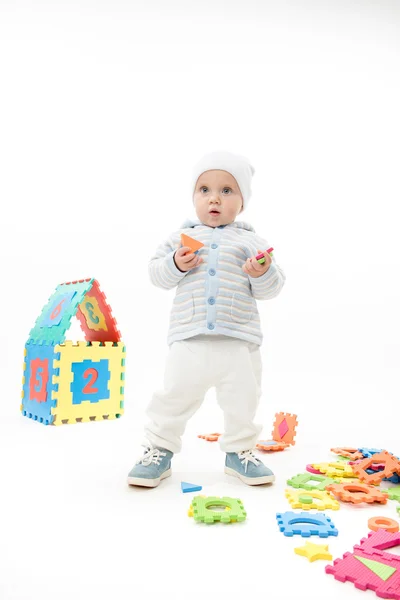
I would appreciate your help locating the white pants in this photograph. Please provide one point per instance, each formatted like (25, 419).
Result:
(195, 365)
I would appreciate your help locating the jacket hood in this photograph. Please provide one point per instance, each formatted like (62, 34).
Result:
(237, 224)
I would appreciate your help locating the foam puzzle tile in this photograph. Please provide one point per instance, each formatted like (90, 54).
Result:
(202, 509)
(391, 466)
(348, 452)
(55, 318)
(335, 469)
(95, 317)
(271, 446)
(393, 493)
(368, 452)
(210, 437)
(357, 493)
(305, 524)
(38, 386)
(74, 398)
(314, 499)
(303, 481)
(285, 428)
(370, 566)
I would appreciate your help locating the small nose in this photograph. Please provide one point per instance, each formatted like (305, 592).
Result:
(214, 198)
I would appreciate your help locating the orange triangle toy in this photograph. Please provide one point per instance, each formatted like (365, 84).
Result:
(193, 244)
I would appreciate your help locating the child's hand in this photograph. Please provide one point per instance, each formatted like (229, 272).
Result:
(253, 268)
(186, 260)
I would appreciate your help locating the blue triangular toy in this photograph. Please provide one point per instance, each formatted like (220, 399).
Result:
(190, 487)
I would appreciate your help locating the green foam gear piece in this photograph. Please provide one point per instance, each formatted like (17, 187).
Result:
(345, 459)
(42, 333)
(202, 512)
(302, 481)
(393, 493)
(381, 570)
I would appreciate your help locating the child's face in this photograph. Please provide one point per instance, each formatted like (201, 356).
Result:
(217, 198)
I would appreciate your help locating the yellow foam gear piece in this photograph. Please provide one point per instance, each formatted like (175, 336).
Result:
(326, 500)
(193, 244)
(65, 411)
(334, 469)
(314, 551)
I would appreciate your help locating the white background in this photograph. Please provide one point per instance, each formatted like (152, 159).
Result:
(104, 108)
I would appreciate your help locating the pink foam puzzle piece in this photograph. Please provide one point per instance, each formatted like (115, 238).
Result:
(351, 569)
(373, 551)
(379, 541)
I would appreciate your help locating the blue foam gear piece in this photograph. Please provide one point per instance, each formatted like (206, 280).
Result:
(74, 294)
(190, 487)
(80, 382)
(31, 408)
(368, 452)
(305, 524)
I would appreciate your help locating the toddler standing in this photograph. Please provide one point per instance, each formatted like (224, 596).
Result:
(214, 335)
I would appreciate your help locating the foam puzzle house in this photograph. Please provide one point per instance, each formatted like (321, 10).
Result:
(70, 383)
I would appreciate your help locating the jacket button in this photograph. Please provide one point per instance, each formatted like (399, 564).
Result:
(211, 300)
(211, 272)
(213, 246)
(211, 326)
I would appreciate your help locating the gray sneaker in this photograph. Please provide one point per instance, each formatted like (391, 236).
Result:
(248, 468)
(154, 465)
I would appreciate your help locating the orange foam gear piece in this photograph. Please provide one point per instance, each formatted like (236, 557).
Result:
(285, 428)
(352, 453)
(390, 462)
(210, 437)
(390, 525)
(275, 447)
(193, 244)
(356, 493)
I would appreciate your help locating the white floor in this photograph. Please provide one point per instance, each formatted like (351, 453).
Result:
(72, 528)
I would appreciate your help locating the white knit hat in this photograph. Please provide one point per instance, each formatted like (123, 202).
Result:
(235, 164)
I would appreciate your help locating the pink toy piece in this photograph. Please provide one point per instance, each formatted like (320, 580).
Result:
(283, 428)
(378, 541)
(355, 462)
(370, 567)
(311, 469)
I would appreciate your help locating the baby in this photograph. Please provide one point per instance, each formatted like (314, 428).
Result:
(214, 336)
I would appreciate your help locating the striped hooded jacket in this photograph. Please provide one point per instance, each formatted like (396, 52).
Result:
(217, 297)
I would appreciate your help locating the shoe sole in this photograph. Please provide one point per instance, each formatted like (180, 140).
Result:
(250, 480)
(142, 482)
